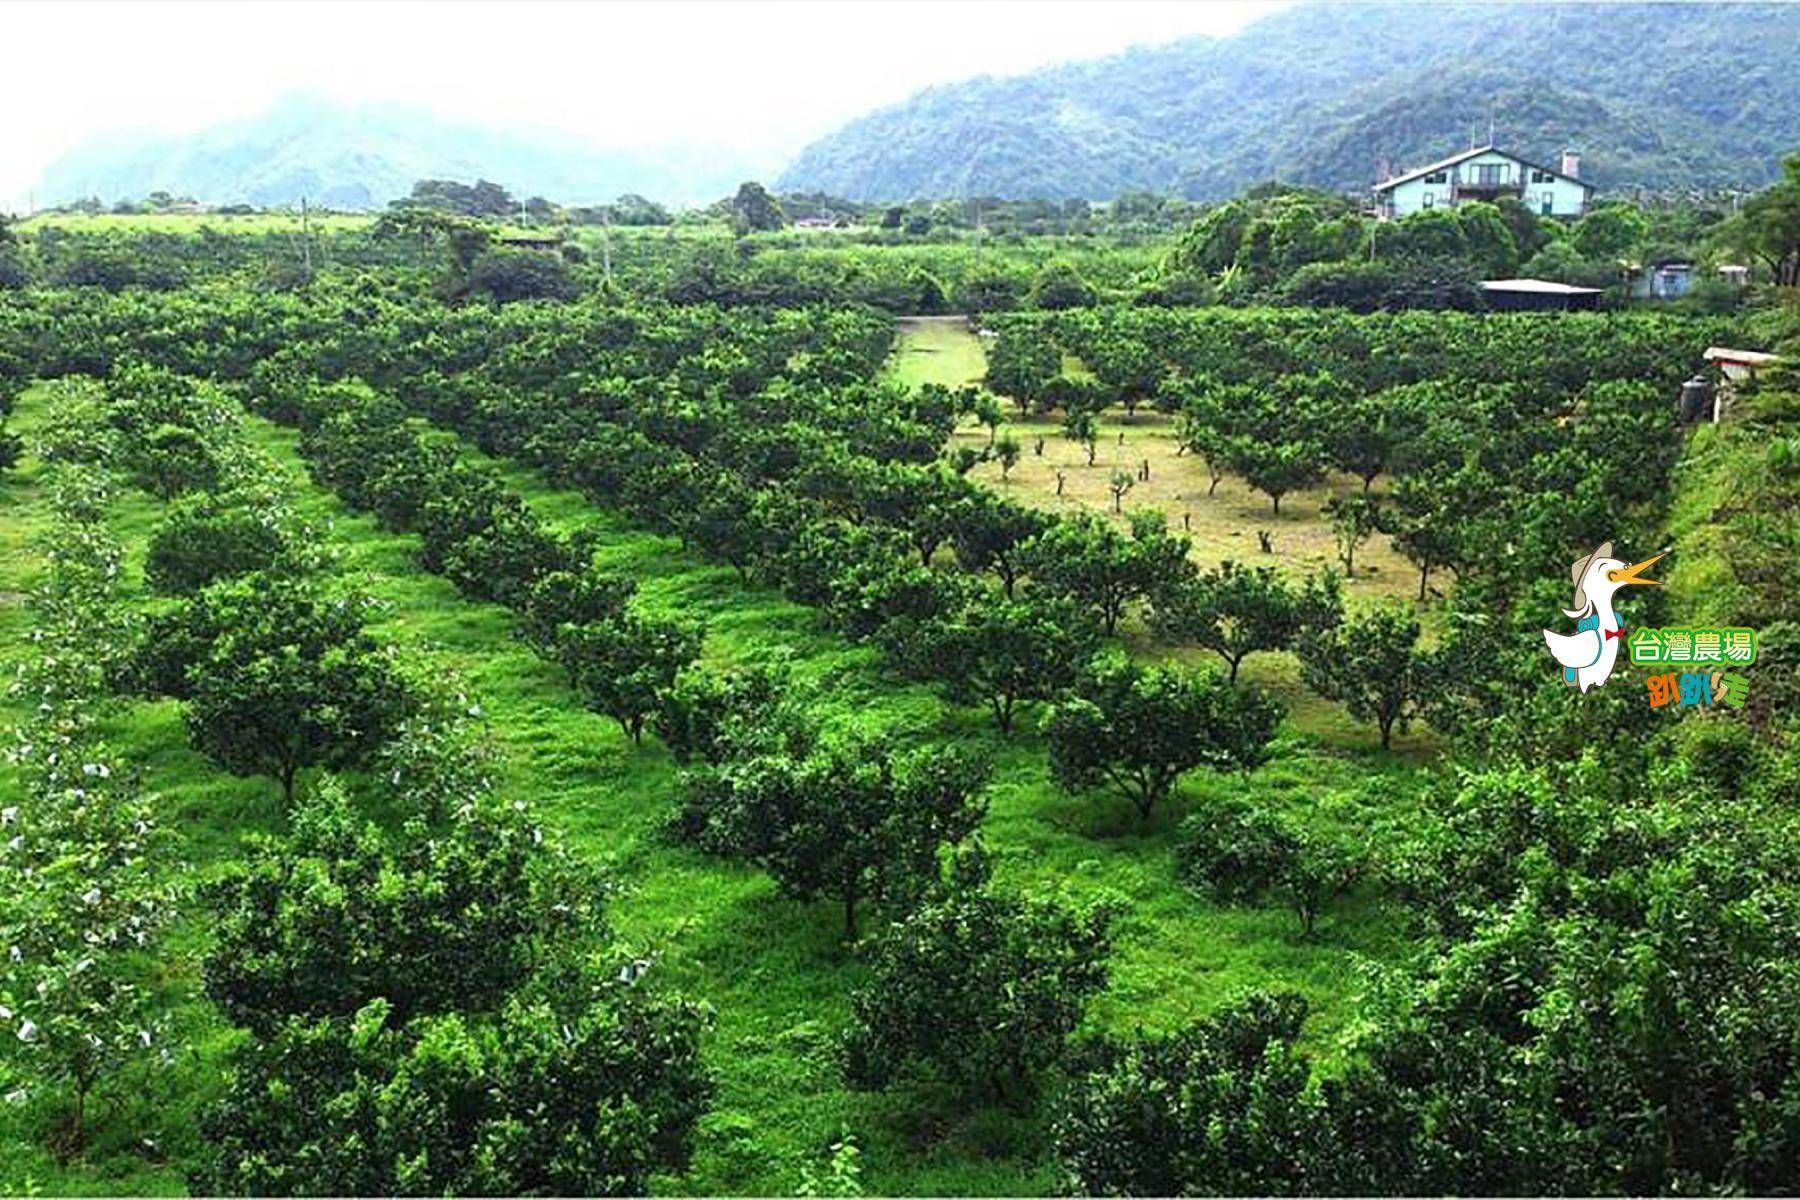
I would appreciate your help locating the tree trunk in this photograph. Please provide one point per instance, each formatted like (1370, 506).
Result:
(1424, 574)
(1234, 666)
(850, 916)
(78, 1126)
(1276, 497)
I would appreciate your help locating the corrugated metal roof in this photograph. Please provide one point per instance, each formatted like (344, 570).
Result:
(1749, 358)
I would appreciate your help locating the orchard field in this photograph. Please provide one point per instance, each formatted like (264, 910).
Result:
(715, 726)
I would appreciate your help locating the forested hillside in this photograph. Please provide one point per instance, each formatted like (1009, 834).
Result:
(1662, 96)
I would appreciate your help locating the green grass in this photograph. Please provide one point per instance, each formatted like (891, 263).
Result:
(1703, 589)
(937, 350)
(773, 969)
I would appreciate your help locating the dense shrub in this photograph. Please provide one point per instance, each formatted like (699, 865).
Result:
(977, 989)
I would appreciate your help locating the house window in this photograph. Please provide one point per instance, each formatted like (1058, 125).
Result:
(1549, 204)
(1430, 199)
(1488, 174)
(1435, 177)
(1541, 176)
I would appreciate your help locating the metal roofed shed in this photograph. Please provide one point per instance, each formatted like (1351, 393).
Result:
(1538, 295)
(1739, 365)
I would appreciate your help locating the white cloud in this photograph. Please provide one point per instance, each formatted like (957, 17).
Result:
(765, 75)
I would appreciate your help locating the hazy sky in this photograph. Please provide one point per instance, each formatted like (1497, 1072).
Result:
(764, 75)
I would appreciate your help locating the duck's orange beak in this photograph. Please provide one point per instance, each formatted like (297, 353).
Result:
(1630, 574)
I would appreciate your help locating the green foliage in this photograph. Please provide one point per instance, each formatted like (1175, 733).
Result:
(172, 459)
(992, 534)
(1354, 519)
(211, 537)
(483, 198)
(506, 275)
(1372, 664)
(710, 716)
(1237, 611)
(571, 597)
(753, 210)
(1090, 564)
(1059, 285)
(840, 1175)
(1005, 653)
(1137, 730)
(85, 898)
(277, 678)
(856, 818)
(1220, 1108)
(1768, 228)
(1007, 450)
(624, 666)
(980, 989)
(757, 432)
(1610, 232)
(527, 1101)
(316, 922)
(1243, 853)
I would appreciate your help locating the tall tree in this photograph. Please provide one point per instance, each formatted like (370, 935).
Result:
(753, 210)
(1768, 228)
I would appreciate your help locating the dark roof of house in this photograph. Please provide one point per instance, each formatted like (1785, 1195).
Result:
(1385, 184)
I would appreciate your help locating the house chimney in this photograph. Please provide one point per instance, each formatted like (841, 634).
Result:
(1571, 164)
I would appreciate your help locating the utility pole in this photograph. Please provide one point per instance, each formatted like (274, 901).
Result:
(305, 237)
(606, 244)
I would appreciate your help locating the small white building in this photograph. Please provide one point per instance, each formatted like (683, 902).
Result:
(1486, 173)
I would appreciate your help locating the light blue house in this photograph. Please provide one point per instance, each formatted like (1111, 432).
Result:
(1486, 173)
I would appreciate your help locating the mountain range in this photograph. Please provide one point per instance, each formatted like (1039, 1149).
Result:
(1651, 95)
(351, 156)
(1665, 96)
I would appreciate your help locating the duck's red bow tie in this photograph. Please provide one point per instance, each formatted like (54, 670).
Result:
(1614, 633)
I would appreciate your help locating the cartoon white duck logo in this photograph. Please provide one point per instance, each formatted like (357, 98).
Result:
(1588, 654)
